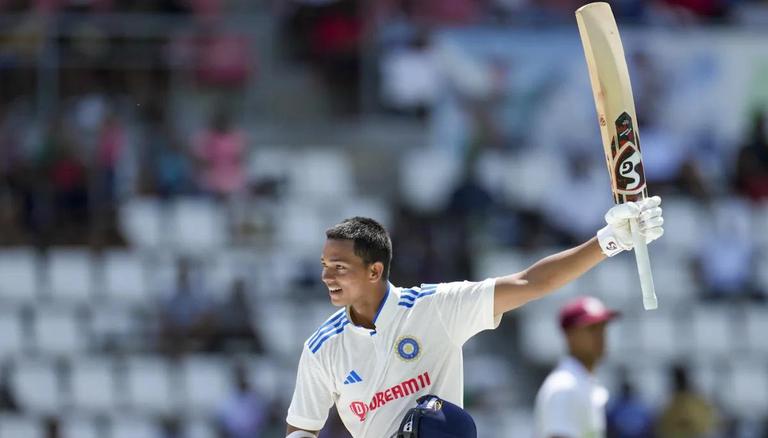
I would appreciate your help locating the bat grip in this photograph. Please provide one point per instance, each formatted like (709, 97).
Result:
(643, 266)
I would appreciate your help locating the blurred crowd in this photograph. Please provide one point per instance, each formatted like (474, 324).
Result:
(115, 130)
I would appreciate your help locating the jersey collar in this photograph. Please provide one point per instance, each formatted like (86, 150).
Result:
(383, 315)
(571, 363)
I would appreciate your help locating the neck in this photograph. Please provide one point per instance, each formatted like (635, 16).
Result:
(590, 363)
(363, 313)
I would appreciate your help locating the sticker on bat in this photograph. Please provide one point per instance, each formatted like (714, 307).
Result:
(630, 177)
(629, 171)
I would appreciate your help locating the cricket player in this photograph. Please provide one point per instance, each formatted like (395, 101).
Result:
(387, 346)
(571, 402)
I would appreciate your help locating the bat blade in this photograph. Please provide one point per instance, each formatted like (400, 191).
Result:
(616, 116)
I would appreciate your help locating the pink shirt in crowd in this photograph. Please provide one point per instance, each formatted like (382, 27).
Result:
(222, 154)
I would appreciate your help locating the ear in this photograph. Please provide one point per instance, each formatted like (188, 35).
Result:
(375, 271)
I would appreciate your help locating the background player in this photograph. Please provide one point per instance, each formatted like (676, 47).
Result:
(571, 403)
(387, 345)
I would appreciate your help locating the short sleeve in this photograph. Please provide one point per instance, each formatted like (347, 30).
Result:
(466, 308)
(559, 414)
(313, 395)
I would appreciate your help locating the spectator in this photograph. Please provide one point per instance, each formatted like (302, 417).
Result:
(221, 153)
(187, 315)
(669, 165)
(628, 416)
(52, 427)
(110, 147)
(8, 402)
(700, 8)
(580, 191)
(752, 162)
(470, 199)
(246, 413)
(687, 414)
(67, 177)
(410, 79)
(335, 39)
(167, 162)
(170, 427)
(223, 59)
(725, 262)
(235, 320)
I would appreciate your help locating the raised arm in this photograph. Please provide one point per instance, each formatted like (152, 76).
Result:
(557, 270)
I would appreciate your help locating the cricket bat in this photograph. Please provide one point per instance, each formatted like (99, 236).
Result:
(618, 122)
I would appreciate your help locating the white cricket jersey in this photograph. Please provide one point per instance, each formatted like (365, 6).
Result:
(570, 403)
(375, 376)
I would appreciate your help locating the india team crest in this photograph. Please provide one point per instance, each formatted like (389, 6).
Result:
(407, 348)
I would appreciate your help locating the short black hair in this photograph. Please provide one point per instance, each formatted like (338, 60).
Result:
(371, 240)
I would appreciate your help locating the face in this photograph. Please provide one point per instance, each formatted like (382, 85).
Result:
(348, 278)
(588, 341)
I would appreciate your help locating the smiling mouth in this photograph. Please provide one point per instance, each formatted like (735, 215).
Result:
(335, 291)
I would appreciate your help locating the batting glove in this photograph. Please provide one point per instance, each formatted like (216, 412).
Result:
(617, 236)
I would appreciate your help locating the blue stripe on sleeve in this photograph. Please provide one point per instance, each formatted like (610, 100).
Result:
(327, 323)
(329, 329)
(328, 336)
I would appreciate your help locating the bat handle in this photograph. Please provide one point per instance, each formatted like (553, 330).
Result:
(643, 266)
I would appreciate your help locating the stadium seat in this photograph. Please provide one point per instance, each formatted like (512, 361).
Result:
(36, 384)
(134, 427)
(684, 223)
(756, 329)
(526, 183)
(222, 268)
(206, 383)
(58, 331)
(12, 338)
(143, 222)
(541, 338)
(74, 426)
(427, 178)
(762, 272)
(92, 385)
(617, 284)
(658, 335)
(112, 325)
(199, 428)
(301, 225)
(622, 340)
(279, 330)
(197, 225)
(745, 390)
(124, 277)
(706, 377)
(497, 263)
(270, 163)
(760, 224)
(367, 206)
(161, 271)
(263, 374)
(711, 332)
(484, 372)
(518, 423)
(673, 278)
(650, 379)
(321, 173)
(16, 426)
(20, 271)
(70, 275)
(148, 385)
